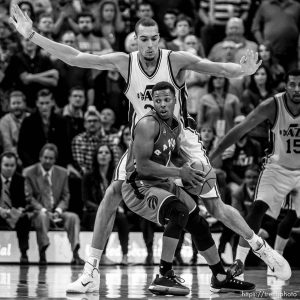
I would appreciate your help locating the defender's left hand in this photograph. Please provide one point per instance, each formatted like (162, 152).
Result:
(249, 62)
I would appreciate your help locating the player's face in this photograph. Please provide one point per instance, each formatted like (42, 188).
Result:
(147, 40)
(77, 98)
(251, 178)
(103, 156)
(8, 166)
(17, 105)
(293, 89)
(164, 103)
(47, 159)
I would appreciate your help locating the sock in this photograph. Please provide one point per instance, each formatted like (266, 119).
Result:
(255, 242)
(164, 267)
(94, 257)
(280, 244)
(218, 271)
(242, 253)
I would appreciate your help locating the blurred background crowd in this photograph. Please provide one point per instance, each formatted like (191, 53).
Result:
(73, 122)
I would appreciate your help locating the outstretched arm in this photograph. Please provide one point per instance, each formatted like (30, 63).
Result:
(247, 66)
(265, 111)
(69, 55)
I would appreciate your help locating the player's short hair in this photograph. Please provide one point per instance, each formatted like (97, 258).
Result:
(146, 22)
(51, 147)
(295, 72)
(16, 93)
(86, 14)
(163, 85)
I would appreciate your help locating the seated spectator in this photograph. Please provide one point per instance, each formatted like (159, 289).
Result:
(247, 152)
(30, 71)
(85, 144)
(235, 33)
(13, 203)
(70, 76)
(276, 70)
(110, 24)
(144, 10)
(41, 127)
(45, 26)
(87, 41)
(47, 190)
(260, 88)
(10, 123)
(218, 107)
(94, 185)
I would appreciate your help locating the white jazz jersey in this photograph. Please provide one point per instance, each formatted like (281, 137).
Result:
(285, 136)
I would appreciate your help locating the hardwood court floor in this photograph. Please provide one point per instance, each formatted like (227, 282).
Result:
(130, 283)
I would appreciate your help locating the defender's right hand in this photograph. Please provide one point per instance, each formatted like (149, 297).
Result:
(21, 21)
(193, 176)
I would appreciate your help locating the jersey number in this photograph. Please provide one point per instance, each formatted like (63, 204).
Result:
(293, 145)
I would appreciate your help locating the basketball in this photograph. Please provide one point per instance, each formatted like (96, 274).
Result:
(209, 179)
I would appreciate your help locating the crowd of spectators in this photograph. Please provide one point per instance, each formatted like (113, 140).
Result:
(56, 118)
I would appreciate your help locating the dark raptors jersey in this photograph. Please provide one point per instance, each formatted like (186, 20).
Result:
(164, 145)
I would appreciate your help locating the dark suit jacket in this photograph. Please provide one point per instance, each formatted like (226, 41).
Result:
(17, 191)
(35, 187)
(32, 138)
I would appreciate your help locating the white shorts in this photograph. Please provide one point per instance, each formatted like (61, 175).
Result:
(191, 145)
(274, 184)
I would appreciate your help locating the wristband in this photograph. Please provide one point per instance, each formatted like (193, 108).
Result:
(31, 35)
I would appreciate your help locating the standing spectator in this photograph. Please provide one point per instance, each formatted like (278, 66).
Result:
(41, 127)
(183, 27)
(218, 107)
(13, 202)
(70, 76)
(234, 32)
(260, 89)
(215, 14)
(47, 188)
(30, 71)
(110, 24)
(94, 185)
(85, 144)
(87, 41)
(45, 26)
(278, 23)
(276, 70)
(10, 123)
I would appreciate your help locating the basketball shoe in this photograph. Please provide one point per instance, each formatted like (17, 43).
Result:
(169, 284)
(275, 261)
(87, 282)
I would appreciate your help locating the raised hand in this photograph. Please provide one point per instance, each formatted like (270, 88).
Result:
(21, 21)
(249, 62)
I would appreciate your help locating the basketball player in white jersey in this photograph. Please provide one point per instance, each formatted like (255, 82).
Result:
(281, 170)
(141, 70)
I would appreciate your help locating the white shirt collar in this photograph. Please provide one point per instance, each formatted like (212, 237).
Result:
(44, 171)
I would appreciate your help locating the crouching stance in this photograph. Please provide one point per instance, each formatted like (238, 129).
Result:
(149, 192)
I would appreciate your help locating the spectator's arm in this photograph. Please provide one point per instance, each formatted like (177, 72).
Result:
(73, 25)
(65, 196)
(46, 80)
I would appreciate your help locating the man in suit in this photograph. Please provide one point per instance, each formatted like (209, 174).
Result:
(13, 202)
(48, 191)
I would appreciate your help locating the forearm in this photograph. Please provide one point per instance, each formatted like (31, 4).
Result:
(151, 168)
(46, 81)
